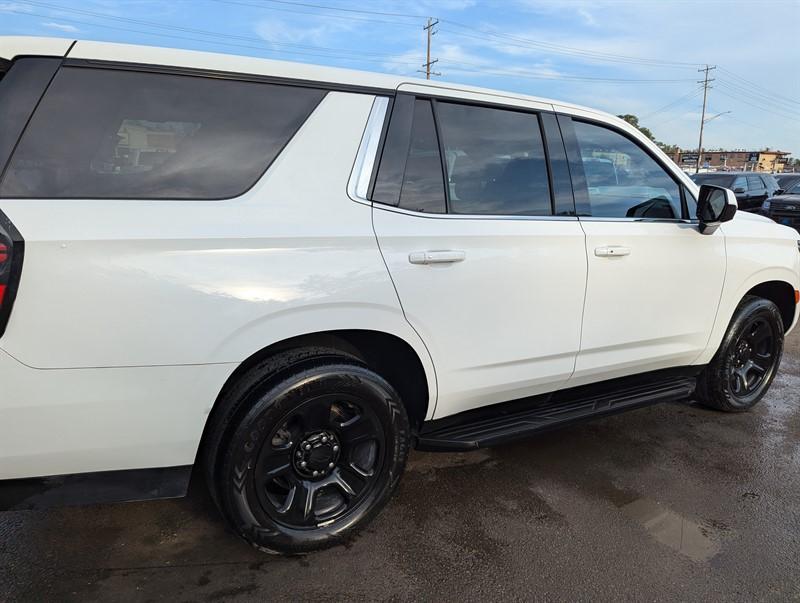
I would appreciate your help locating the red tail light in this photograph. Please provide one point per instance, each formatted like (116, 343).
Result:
(12, 248)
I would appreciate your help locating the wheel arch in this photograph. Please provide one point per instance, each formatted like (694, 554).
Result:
(391, 356)
(782, 294)
(773, 284)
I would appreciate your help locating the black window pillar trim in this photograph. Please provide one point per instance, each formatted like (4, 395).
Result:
(442, 156)
(580, 189)
(561, 192)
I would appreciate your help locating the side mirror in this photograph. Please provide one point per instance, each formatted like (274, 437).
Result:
(738, 190)
(715, 205)
(778, 191)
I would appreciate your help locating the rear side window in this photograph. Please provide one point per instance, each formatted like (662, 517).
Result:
(754, 183)
(21, 87)
(423, 184)
(102, 133)
(410, 172)
(495, 161)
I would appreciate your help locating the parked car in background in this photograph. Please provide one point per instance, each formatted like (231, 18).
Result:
(787, 181)
(751, 188)
(784, 208)
(289, 275)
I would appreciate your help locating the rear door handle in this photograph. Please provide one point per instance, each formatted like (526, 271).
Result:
(436, 257)
(611, 251)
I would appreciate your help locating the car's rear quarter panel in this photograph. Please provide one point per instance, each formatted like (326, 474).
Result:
(131, 314)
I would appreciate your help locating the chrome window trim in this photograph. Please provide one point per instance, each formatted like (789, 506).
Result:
(417, 214)
(621, 219)
(358, 185)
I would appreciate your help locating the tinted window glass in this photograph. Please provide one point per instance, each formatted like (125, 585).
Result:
(740, 183)
(754, 183)
(20, 90)
(423, 183)
(624, 181)
(389, 178)
(495, 161)
(100, 133)
(715, 179)
(691, 203)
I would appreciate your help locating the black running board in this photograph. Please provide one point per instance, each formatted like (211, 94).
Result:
(512, 421)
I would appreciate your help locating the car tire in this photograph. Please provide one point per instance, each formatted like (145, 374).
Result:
(743, 368)
(311, 448)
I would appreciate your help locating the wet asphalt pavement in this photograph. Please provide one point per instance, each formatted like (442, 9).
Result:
(673, 502)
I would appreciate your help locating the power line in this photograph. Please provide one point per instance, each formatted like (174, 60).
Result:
(520, 42)
(345, 10)
(203, 32)
(686, 97)
(357, 57)
(760, 107)
(758, 97)
(556, 76)
(758, 86)
(327, 16)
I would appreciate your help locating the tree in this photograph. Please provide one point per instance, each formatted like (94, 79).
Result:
(634, 121)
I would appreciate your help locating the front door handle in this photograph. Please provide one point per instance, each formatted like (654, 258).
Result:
(612, 251)
(436, 257)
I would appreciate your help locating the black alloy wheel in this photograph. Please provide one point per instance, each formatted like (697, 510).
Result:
(752, 358)
(320, 461)
(310, 448)
(747, 361)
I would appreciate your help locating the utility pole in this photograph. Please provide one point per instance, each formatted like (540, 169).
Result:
(428, 62)
(705, 83)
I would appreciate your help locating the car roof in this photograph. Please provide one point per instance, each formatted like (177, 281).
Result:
(15, 46)
(12, 46)
(733, 174)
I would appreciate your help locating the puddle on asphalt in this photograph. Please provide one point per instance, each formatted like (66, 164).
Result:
(694, 540)
(667, 527)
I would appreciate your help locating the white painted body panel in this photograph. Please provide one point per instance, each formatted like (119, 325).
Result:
(60, 421)
(651, 309)
(503, 323)
(758, 251)
(131, 315)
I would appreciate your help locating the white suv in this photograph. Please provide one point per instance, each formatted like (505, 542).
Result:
(290, 275)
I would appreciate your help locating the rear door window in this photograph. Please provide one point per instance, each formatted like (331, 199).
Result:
(755, 184)
(103, 133)
(495, 161)
(740, 183)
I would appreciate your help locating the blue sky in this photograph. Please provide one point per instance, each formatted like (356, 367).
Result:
(622, 56)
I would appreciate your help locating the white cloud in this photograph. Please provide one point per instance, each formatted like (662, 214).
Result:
(15, 7)
(312, 31)
(61, 26)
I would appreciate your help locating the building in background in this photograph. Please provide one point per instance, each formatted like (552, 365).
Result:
(737, 160)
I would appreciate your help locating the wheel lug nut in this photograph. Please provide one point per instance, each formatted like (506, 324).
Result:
(307, 446)
(315, 474)
(335, 448)
(324, 438)
(330, 465)
(303, 464)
